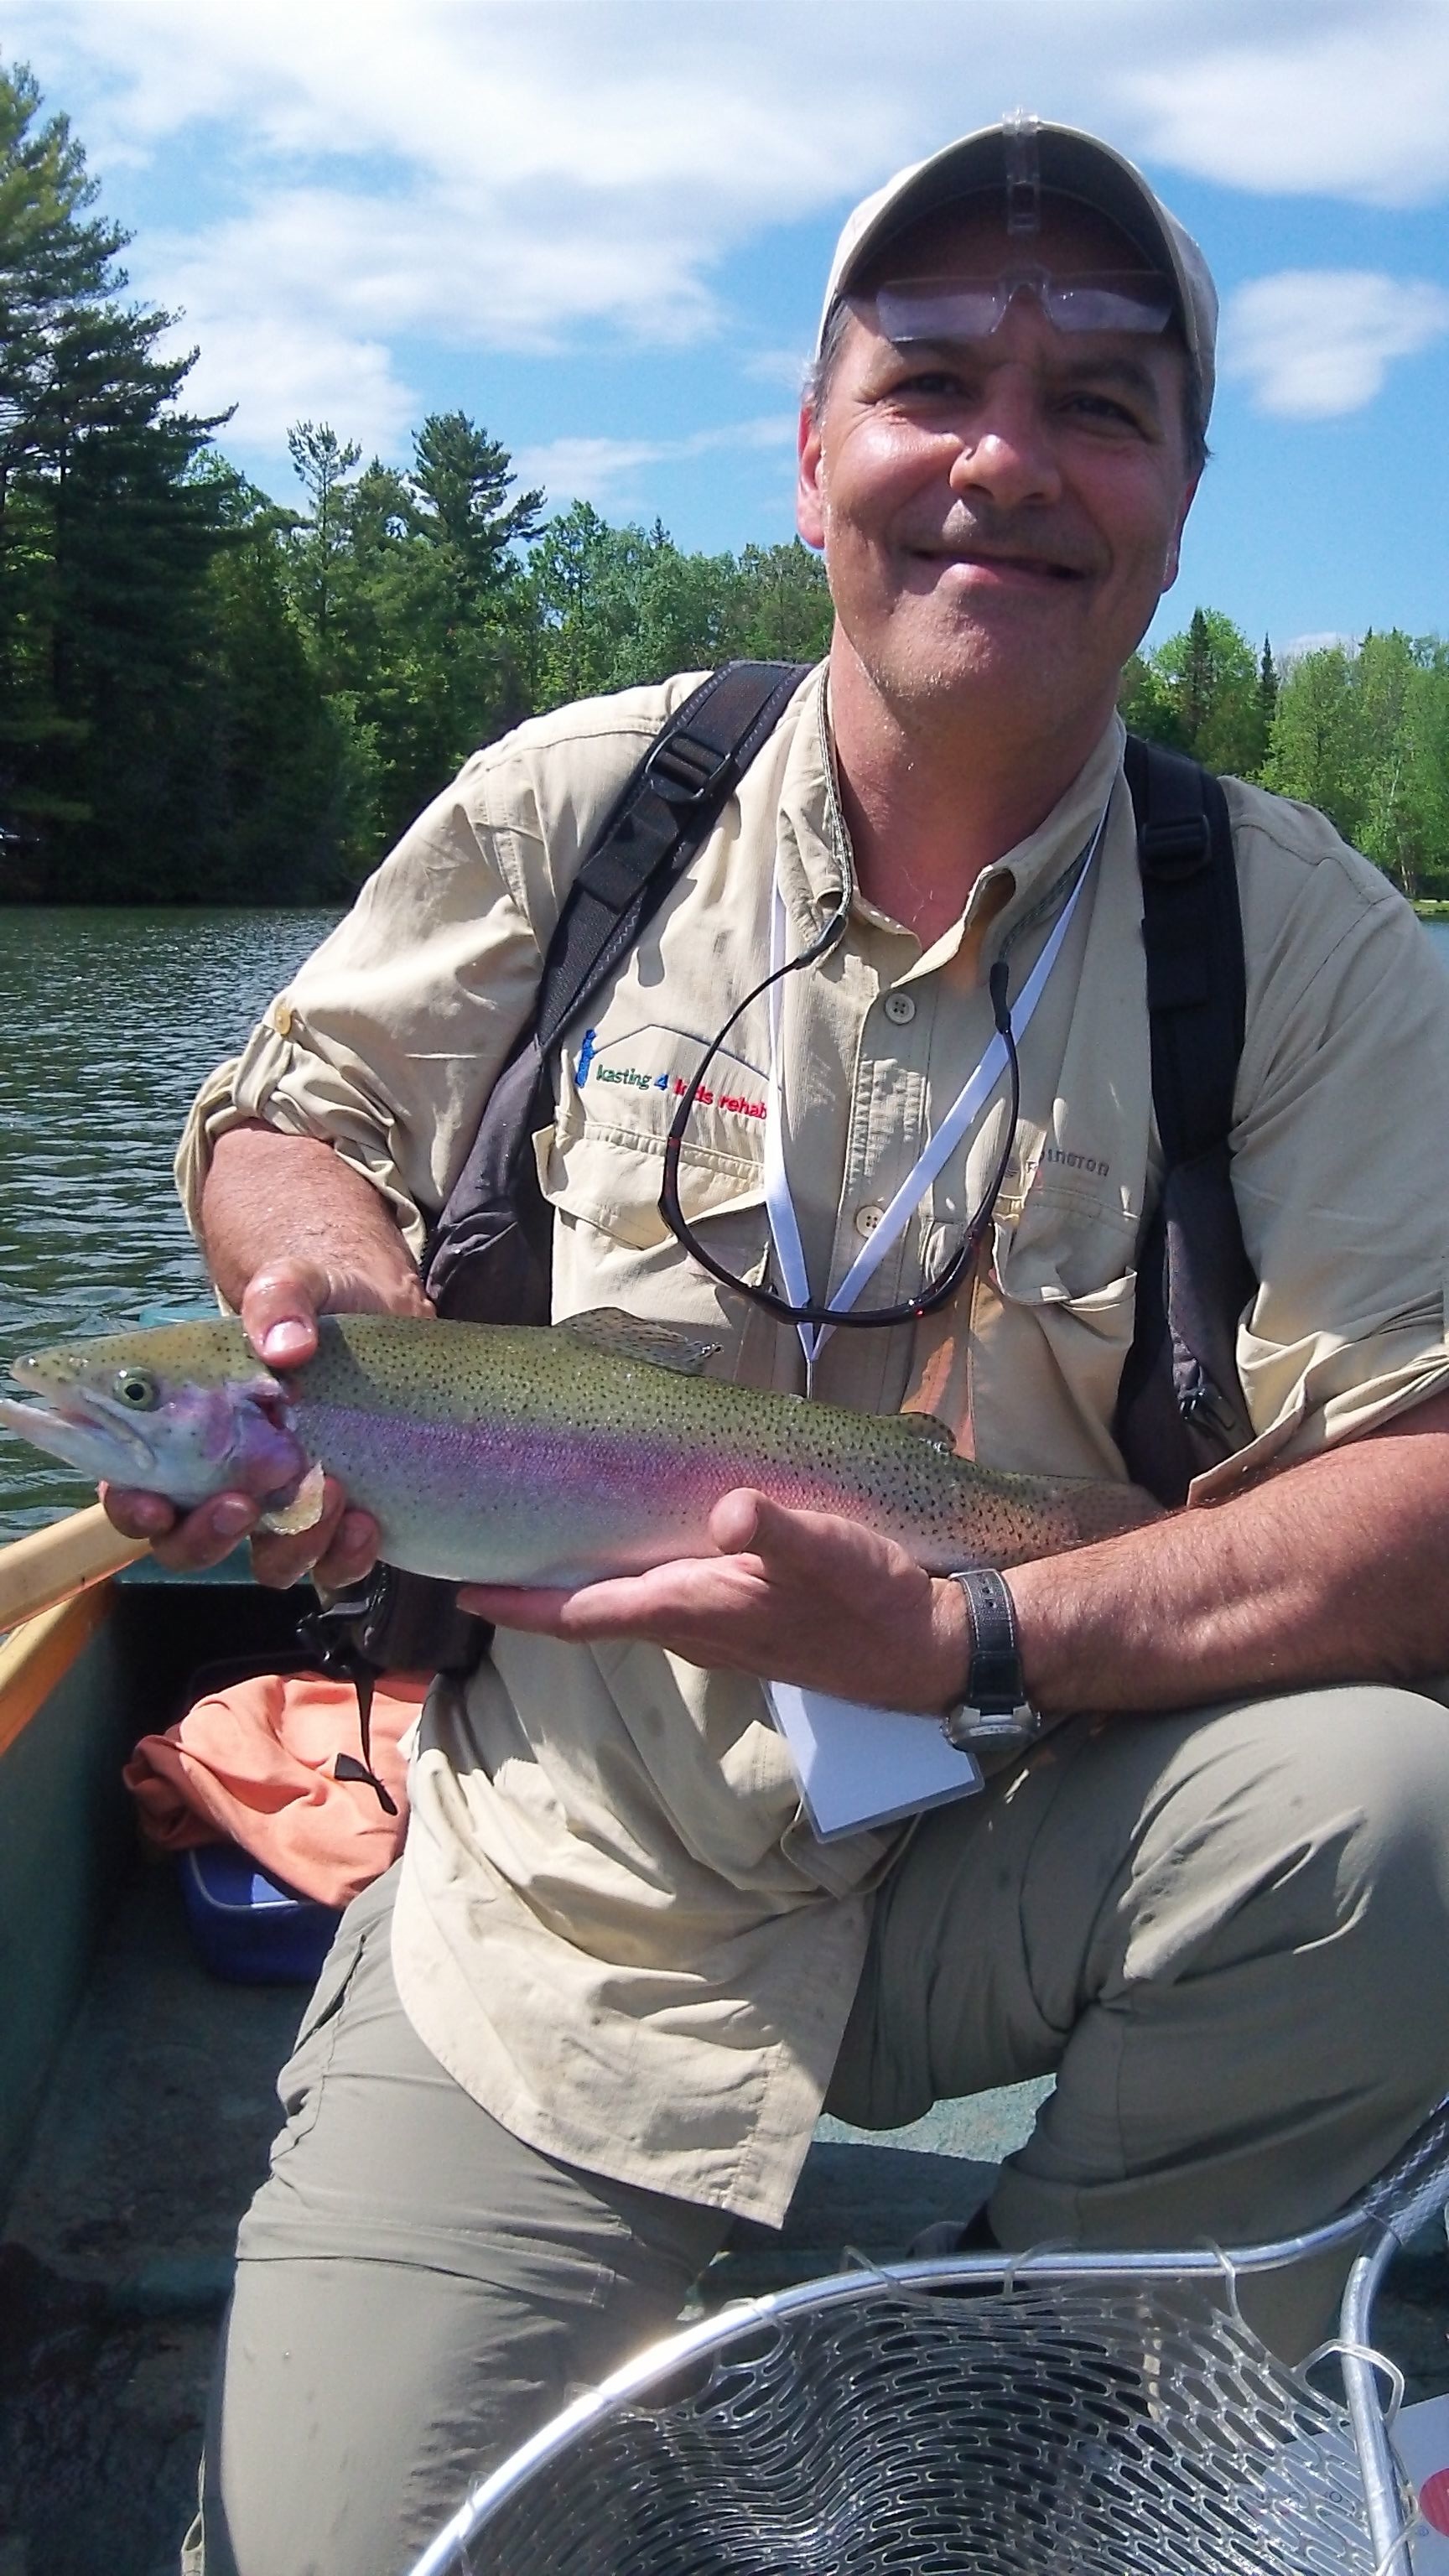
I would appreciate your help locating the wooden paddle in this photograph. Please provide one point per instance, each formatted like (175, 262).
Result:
(48, 1565)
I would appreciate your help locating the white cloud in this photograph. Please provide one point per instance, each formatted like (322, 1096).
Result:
(288, 371)
(510, 174)
(594, 469)
(1316, 342)
(777, 367)
(1297, 645)
(1340, 100)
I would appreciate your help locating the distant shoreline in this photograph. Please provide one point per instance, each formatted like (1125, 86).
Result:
(1433, 908)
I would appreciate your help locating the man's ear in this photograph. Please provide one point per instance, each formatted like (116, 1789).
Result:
(809, 493)
(1173, 563)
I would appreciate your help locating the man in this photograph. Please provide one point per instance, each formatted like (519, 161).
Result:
(622, 1975)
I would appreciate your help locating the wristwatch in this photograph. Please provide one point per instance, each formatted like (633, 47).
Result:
(994, 1713)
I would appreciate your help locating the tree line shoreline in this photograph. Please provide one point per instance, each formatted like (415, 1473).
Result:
(210, 697)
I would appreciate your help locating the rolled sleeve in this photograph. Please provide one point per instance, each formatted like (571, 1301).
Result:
(1340, 1151)
(389, 1040)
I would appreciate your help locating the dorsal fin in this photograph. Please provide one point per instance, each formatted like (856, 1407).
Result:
(629, 1337)
(929, 1426)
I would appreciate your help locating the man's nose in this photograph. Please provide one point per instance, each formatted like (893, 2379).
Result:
(1007, 450)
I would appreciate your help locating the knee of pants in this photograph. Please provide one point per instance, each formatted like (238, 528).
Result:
(1288, 1824)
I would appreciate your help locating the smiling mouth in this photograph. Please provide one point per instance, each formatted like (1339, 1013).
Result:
(1027, 567)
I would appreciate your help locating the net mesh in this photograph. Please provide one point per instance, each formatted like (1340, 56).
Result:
(1089, 2432)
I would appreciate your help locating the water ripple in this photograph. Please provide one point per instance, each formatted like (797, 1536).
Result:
(108, 1022)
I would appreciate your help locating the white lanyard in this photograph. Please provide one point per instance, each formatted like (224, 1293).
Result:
(973, 1095)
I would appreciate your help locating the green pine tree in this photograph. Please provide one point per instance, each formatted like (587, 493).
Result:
(108, 534)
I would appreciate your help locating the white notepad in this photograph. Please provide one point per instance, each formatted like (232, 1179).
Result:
(861, 1766)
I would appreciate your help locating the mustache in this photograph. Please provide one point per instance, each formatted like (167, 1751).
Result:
(972, 532)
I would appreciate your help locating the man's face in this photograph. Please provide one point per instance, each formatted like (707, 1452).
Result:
(999, 516)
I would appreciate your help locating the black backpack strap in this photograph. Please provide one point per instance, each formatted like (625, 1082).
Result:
(488, 1254)
(1192, 928)
(1180, 1406)
(654, 827)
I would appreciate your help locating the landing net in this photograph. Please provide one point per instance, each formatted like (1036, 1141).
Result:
(1092, 2431)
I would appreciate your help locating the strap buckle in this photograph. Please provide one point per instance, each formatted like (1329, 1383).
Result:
(1176, 848)
(685, 771)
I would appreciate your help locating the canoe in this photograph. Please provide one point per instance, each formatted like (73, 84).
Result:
(136, 2099)
(136, 2104)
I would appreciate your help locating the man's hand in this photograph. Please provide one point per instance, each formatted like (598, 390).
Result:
(279, 1311)
(264, 1187)
(790, 1596)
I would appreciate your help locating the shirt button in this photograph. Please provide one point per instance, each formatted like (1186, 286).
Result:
(281, 1019)
(901, 1008)
(867, 1219)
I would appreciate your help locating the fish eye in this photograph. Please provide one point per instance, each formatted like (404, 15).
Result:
(137, 1389)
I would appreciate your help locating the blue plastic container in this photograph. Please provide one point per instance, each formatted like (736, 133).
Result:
(248, 1927)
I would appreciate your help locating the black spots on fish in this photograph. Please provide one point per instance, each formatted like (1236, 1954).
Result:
(511, 1384)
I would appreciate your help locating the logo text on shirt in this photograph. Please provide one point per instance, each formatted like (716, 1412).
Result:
(633, 1078)
(1089, 1163)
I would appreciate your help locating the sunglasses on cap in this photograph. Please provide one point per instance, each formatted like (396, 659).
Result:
(971, 308)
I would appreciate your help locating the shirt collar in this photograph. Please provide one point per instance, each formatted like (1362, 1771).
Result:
(815, 864)
(815, 853)
(1039, 872)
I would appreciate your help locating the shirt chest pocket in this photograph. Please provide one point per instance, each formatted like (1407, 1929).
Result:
(1055, 1315)
(612, 1246)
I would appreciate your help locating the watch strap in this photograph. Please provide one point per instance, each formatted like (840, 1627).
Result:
(995, 1682)
(994, 1707)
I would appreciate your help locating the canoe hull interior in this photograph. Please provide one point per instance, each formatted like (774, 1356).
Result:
(137, 2106)
(67, 1836)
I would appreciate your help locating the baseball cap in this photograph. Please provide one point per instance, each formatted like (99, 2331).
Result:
(1019, 159)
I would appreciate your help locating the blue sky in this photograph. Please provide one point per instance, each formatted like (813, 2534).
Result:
(601, 227)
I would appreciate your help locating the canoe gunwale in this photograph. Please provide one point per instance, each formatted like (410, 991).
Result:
(36, 1656)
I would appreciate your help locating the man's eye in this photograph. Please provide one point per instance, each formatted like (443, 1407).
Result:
(1102, 408)
(928, 384)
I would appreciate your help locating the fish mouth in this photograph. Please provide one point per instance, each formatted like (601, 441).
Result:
(87, 1430)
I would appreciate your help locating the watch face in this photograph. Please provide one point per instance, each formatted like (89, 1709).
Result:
(976, 1730)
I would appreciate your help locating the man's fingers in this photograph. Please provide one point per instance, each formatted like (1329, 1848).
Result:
(185, 1543)
(673, 1604)
(339, 1548)
(281, 1303)
(745, 1523)
(792, 1595)
(137, 1515)
(352, 1553)
(279, 1310)
(546, 1613)
(743, 1520)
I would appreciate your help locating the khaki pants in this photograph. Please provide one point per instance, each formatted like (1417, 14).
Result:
(1227, 1932)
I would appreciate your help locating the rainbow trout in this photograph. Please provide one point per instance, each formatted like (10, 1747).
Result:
(520, 1454)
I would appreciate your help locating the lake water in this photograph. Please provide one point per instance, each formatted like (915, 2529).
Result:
(108, 1021)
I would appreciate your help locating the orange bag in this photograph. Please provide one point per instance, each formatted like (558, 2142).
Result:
(252, 1764)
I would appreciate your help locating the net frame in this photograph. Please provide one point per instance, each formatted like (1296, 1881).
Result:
(1050, 2414)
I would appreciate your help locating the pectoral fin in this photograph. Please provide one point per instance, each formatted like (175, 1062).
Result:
(304, 1510)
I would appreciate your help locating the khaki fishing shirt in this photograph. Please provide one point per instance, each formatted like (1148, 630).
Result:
(615, 1926)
